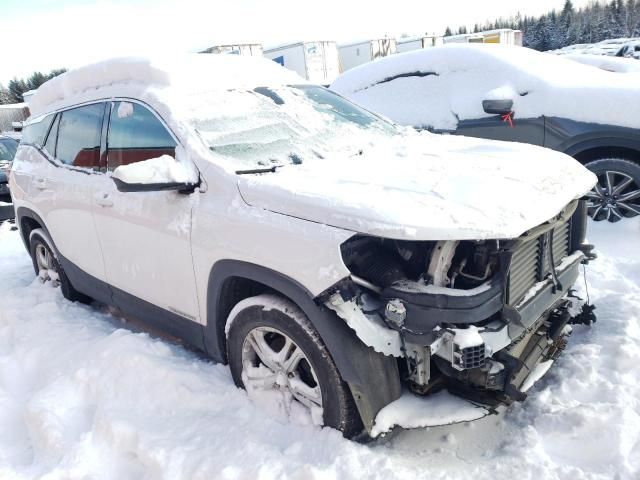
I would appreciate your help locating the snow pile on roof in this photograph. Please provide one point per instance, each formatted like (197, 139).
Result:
(83, 397)
(181, 74)
(604, 62)
(438, 87)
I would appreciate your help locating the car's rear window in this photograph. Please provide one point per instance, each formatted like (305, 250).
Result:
(36, 131)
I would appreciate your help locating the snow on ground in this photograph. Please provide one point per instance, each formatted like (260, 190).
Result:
(83, 397)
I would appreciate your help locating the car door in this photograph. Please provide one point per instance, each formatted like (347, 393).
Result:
(145, 236)
(497, 127)
(61, 192)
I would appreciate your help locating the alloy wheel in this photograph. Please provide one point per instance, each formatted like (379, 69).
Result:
(616, 196)
(276, 370)
(46, 265)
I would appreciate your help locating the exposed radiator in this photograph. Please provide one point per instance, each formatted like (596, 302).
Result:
(530, 263)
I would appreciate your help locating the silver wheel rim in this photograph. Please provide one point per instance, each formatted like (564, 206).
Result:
(45, 264)
(275, 365)
(616, 196)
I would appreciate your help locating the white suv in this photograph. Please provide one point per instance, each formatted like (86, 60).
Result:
(333, 259)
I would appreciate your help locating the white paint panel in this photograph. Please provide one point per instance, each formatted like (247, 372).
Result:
(145, 238)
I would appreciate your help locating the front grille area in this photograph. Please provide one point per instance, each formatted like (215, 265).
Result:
(530, 262)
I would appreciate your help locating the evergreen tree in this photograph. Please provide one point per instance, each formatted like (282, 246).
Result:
(5, 95)
(18, 86)
(600, 20)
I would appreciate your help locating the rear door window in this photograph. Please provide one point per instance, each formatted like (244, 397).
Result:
(136, 134)
(34, 133)
(79, 136)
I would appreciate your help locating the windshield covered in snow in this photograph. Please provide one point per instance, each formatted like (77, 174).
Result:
(272, 126)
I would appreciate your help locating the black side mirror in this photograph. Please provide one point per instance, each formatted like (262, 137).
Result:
(497, 107)
(154, 187)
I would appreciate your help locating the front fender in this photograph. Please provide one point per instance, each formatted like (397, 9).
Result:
(372, 377)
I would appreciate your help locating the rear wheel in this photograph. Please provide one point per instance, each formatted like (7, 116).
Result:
(48, 268)
(276, 355)
(617, 193)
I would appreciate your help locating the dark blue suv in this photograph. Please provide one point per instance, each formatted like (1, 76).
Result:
(516, 94)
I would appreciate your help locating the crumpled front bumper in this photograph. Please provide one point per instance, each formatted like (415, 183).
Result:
(426, 313)
(492, 353)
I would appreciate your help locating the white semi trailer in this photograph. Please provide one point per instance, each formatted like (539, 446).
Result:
(357, 53)
(417, 43)
(250, 49)
(504, 36)
(316, 61)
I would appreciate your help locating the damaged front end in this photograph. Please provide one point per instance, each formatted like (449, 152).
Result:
(481, 319)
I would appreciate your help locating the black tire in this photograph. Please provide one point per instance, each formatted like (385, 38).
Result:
(608, 203)
(339, 410)
(37, 238)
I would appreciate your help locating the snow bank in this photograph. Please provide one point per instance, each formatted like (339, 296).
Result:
(82, 397)
(438, 87)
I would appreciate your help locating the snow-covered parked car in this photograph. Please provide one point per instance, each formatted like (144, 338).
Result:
(630, 50)
(517, 94)
(330, 257)
(606, 62)
(8, 147)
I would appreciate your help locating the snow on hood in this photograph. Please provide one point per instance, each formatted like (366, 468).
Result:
(439, 86)
(426, 187)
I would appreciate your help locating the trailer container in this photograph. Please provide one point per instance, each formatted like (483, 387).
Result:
(505, 36)
(357, 53)
(249, 49)
(417, 43)
(317, 61)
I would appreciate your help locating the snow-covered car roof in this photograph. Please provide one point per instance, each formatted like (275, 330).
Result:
(439, 86)
(606, 47)
(606, 62)
(175, 76)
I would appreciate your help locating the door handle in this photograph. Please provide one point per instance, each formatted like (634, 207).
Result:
(103, 200)
(41, 184)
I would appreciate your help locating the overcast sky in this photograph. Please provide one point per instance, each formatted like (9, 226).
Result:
(46, 34)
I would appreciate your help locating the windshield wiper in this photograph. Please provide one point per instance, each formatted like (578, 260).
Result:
(258, 170)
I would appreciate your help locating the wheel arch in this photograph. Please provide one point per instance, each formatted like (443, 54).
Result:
(605, 148)
(372, 377)
(27, 221)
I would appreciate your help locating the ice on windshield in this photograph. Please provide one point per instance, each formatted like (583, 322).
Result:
(266, 127)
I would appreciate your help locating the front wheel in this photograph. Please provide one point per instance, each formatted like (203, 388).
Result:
(277, 356)
(48, 268)
(617, 193)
